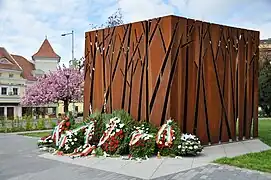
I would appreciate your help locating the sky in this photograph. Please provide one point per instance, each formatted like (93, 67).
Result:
(25, 23)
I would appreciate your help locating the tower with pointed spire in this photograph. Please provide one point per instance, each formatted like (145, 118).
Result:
(45, 59)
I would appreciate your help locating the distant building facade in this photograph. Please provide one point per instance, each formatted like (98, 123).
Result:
(16, 72)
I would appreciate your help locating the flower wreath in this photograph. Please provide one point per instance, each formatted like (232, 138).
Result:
(189, 145)
(112, 136)
(76, 142)
(167, 138)
(142, 143)
(63, 126)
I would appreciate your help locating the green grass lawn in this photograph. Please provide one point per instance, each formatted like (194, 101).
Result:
(257, 161)
(36, 134)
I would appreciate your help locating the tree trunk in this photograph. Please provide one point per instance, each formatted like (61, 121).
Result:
(66, 107)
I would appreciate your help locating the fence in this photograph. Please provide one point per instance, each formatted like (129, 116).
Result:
(203, 75)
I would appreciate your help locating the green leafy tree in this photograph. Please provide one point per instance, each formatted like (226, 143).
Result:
(265, 87)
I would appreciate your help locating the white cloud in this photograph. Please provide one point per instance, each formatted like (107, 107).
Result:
(24, 24)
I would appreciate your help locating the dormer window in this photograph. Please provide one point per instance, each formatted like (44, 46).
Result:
(4, 61)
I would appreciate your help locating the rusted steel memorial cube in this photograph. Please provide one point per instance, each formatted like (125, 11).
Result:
(203, 75)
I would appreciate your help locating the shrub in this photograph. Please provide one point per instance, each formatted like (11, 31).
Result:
(168, 138)
(41, 124)
(29, 123)
(3, 121)
(71, 118)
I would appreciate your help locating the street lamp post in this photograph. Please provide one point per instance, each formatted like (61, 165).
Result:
(71, 33)
(66, 34)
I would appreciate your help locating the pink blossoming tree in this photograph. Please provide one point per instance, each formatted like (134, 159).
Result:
(65, 85)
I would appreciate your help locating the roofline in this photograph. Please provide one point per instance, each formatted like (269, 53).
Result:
(12, 70)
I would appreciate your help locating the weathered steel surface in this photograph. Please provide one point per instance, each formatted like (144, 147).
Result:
(203, 75)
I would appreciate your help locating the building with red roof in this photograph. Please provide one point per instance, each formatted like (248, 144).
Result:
(16, 72)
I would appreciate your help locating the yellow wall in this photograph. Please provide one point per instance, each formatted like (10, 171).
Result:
(61, 107)
(15, 81)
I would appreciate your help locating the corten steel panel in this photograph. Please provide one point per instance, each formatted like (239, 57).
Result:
(203, 75)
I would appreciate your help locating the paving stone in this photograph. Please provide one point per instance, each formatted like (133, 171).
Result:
(19, 160)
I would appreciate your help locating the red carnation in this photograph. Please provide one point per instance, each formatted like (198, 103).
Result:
(68, 124)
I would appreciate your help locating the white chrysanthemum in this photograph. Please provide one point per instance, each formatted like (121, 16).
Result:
(190, 147)
(160, 142)
(50, 141)
(75, 139)
(195, 147)
(166, 143)
(146, 137)
(117, 120)
(72, 143)
(117, 130)
(179, 147)
(121, 125)
(75, 133)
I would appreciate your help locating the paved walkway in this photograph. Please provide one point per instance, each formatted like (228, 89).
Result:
(19, 160)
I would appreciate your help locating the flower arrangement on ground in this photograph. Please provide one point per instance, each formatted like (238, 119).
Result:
(77, 142)
(63, 126)
(45, 143)
(142, 143)
(189, 145)
(168, 138)
(118, 134)
(53, 139)
(113, 136)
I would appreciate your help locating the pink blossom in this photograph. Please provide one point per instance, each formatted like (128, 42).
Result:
(65, 84)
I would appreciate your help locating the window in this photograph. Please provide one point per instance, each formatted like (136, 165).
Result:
(0, 74)
(15, 91)
(11, 75)
(4, 91)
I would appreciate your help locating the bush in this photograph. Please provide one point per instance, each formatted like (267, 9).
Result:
(41, 124)
(29, 123)
(3, 121)
(71, 118)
